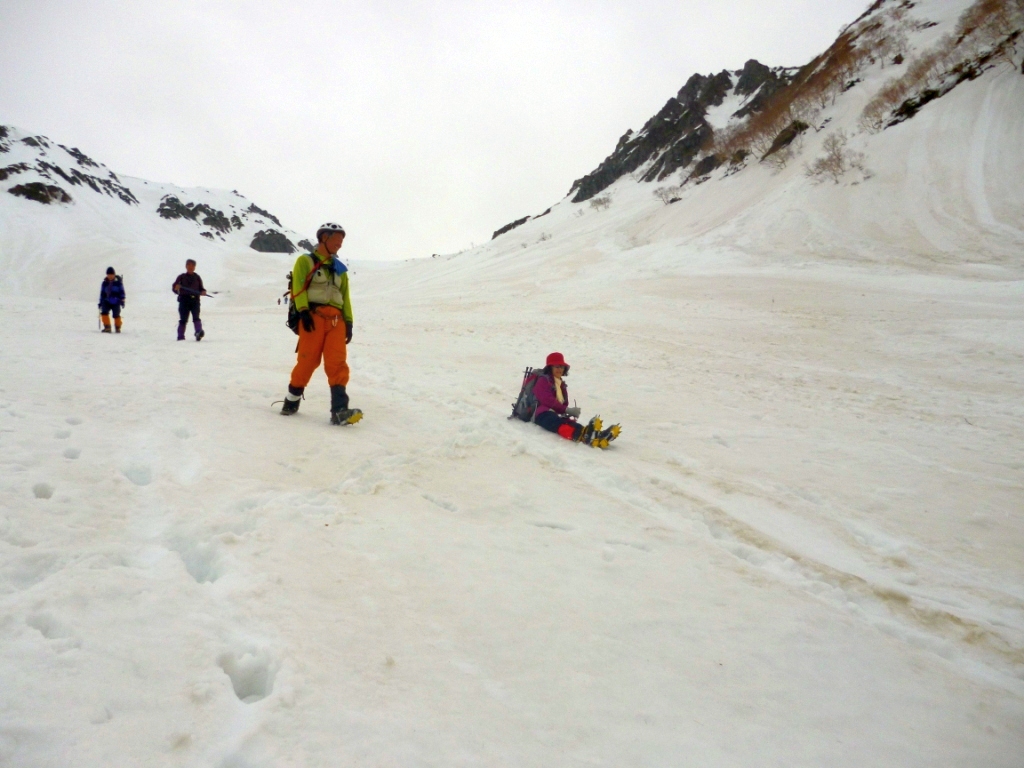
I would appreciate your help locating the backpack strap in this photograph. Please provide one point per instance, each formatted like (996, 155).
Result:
(309, 278)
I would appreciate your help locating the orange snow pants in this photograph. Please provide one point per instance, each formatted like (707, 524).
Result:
(327, 341)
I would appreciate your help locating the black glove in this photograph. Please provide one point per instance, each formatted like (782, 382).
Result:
(348, 331)
(99, 306)
(306, 318)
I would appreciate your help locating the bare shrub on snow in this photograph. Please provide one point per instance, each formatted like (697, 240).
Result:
(667, 194)
(600, 203)
(986, 26)
(837, 161)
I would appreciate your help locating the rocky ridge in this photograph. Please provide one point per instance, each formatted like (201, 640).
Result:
(50, 173)
(719, 124)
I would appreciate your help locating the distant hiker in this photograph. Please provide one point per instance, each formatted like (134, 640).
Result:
(111, 300)
(544, 399)
(324, 315)
(189, 287)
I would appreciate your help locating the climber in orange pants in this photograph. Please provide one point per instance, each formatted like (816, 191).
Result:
(327, 341)
(323, 320)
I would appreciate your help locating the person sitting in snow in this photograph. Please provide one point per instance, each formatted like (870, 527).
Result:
(556, 415)
(111, 300)
(320, 292)
(189, 287)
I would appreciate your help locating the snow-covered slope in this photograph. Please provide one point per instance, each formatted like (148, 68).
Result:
(940, 190)
(80, 217)
(806, 548)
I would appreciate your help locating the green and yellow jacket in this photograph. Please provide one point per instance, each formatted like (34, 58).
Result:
(329, 285)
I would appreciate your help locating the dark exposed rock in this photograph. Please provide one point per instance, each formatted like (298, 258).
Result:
(753, 75)
(4, 132)
(76, 177)
(757, 78)
(35, 141)
(510, 227)
(11, 170)
(80, 157)
(172, 208)
(236, 222)
(739, 156)
(786, 137)
(539, 215)
(41, 193)
(253, 208)
(271, 241)
(5, 145)
(307, 246)
(674, 137)
(208, 235)
(215, 219)
(706, 166)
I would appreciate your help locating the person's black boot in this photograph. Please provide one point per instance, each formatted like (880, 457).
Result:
(292, 400)
(341, 414)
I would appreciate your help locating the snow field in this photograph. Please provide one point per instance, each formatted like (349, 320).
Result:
(799, 552)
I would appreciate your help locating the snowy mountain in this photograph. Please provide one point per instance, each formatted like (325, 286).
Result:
(877, 150)
(58, 204)
(806, 548)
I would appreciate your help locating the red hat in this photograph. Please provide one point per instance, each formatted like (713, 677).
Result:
(555, 358)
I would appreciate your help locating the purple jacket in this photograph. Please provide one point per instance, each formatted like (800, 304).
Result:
(544, 391)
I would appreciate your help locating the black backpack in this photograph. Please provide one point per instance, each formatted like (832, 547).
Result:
(293, 316)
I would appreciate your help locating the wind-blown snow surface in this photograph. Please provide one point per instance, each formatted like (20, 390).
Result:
(804, 550)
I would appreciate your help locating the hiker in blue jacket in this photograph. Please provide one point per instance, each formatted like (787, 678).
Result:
(111, 300)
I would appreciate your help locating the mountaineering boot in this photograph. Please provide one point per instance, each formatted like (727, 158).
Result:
(181, 331)
(593, 426)
(291, 400)
(199, 330)
(604, 437)
(341, 414)
(346, 416)
(106, 329)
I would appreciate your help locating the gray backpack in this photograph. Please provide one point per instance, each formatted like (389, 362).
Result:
(525, 405)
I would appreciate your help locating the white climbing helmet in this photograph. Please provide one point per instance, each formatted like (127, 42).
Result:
(328, 229)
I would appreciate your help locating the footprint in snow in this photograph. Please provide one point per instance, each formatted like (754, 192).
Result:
(73, 420)
(42, 490)
(72, 453)
(251, 673)
(62, 434)
(139, 474)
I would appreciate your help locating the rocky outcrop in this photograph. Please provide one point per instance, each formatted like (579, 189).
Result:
(761, 82)
(272, 241)
(307, 246)
(111, 186)
(11, 170)
(172, 208)
(674, 137)
(253, 208)
(41, 193)
(786, 137)
(510, 227)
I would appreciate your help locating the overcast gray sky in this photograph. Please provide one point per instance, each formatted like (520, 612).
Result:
(421, 127)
